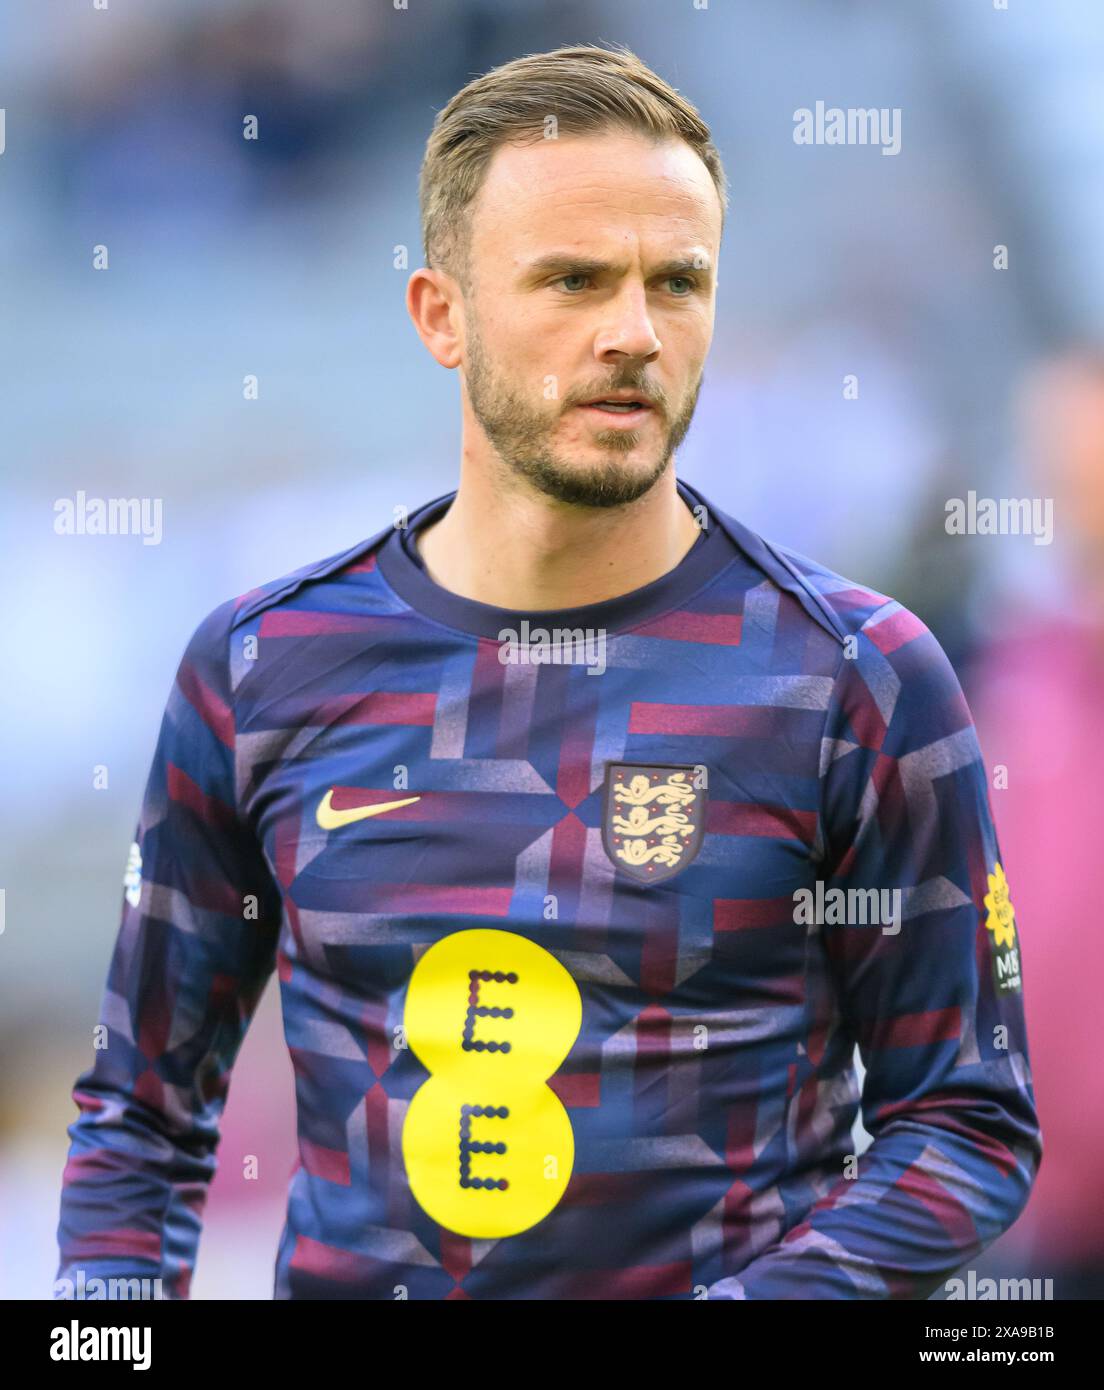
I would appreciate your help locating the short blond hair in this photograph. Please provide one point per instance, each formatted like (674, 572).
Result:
(586, 88)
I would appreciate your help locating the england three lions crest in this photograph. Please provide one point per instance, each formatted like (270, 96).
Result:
(653, 817)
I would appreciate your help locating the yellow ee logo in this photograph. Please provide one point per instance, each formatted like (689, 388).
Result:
(488, 1147)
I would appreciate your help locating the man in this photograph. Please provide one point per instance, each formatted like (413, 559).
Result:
(589, 834)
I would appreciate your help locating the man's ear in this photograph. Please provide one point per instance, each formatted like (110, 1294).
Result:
(435, 305)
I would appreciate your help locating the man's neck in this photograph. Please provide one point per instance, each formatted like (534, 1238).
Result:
(516, 548)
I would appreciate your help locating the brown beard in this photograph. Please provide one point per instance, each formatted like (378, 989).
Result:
(519, 435)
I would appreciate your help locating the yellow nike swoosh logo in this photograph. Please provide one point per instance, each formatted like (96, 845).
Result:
(329, 819)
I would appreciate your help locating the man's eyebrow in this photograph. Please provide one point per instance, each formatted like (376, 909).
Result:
(565, 263)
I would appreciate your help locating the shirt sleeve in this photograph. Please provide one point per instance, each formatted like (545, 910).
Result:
(935, 1007)
(195, 947)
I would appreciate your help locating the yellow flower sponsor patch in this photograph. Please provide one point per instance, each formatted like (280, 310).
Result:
(1000, 922)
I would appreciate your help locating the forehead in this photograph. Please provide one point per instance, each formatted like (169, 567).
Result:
(581, 186)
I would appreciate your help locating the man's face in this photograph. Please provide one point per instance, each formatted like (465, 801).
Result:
(593, 270)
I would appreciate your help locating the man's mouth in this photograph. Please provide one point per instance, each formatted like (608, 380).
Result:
(618, 407)
(627, 410)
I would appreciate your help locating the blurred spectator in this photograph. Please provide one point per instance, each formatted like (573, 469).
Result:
(1038, 697)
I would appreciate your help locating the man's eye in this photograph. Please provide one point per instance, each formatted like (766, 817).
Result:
(685, 280)
(564, 279)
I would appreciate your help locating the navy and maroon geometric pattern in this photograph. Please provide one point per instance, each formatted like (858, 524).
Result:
(711, 1088)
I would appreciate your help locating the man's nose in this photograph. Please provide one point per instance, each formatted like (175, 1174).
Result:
(629, 331)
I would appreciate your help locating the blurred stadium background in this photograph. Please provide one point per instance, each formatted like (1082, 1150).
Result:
(278, 257)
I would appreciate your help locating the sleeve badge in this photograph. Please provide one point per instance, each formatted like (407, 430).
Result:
(1000, 923)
